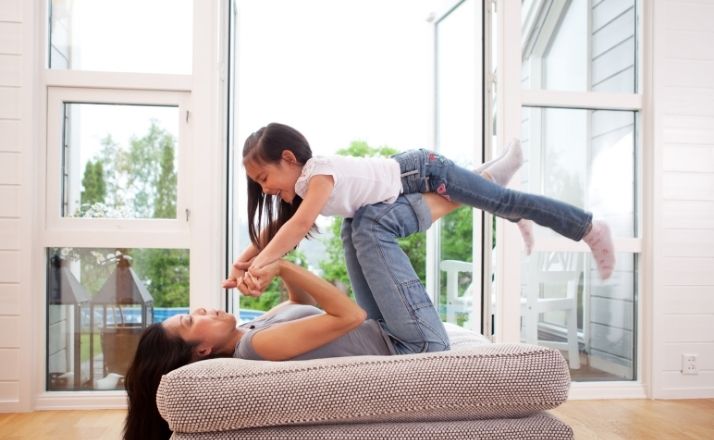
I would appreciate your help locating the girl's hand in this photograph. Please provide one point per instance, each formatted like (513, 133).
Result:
(236, 278)
(258, 279)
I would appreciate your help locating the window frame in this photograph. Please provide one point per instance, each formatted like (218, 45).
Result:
(100, 232)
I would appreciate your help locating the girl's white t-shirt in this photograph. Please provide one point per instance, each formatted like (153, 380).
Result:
(359, 181)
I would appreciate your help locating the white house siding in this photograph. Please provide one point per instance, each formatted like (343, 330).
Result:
(15, 204)
(683, 192)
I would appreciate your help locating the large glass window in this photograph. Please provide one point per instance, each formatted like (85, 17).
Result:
(585, 152)
(121, 35)
(116, 184)
(119, 161)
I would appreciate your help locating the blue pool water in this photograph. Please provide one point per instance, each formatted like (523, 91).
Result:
(163, 313)
(133, 314)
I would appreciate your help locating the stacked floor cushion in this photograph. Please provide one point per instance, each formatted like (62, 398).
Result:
(475, 391)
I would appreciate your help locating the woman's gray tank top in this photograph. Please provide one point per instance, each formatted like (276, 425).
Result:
(367, 339)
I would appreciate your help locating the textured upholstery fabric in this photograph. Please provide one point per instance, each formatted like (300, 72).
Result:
(537, 426)
(471, 382)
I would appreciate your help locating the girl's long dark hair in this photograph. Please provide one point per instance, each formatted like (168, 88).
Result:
(267, 212)
(157, 354)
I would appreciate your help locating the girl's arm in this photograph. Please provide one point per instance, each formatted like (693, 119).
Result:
(294, 230)
(289, 339)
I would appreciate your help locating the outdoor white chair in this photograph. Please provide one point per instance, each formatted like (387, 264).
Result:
(554, 273)
(552, 284)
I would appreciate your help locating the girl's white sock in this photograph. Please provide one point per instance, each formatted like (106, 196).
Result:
(485, 165)
(502, 169)
(525, 227)
(600, 241)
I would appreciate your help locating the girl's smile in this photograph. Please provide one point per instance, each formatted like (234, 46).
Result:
(276, 179)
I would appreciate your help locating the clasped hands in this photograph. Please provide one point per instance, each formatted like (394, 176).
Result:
(249, 279)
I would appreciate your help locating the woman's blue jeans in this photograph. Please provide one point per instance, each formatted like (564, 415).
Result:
(383, 280)
(425, 171)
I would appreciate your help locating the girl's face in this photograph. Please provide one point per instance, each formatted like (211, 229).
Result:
(214, 330)
(278, 178)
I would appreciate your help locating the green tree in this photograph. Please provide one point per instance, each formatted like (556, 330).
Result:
(151, 158)
(165, 204)
(147, 168)
(93, 184)
(94, 192)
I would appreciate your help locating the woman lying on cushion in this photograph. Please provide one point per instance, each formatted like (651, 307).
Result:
(381, 324)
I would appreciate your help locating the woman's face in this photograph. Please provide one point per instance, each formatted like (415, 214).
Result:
(213, 330)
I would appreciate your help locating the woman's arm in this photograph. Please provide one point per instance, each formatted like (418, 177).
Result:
(294, 230)
(296, 295)
(289, 339)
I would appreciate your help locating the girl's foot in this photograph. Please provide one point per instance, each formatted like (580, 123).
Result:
(502, 169)
(525, 227)
(600, 241)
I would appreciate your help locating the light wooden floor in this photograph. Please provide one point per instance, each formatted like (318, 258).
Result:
(600, 419)
(639, 419)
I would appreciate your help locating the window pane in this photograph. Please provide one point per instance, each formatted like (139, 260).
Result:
(144, 36)
(590, 165)
(459, 137)
(580, 45)
(98, 303)
(119, 161)
(565, 305)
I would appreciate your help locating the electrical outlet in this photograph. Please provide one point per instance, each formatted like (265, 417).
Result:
(689, 364)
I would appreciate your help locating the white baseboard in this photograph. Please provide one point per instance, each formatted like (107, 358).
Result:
(606, 390)
(80, 400)
(685, 393)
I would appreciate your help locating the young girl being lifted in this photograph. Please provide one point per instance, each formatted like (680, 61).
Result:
(288, 188)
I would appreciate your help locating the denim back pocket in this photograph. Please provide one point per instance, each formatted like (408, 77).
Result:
(412, 165)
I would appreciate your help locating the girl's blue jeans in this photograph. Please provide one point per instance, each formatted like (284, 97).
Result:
(426, 171)
(383, 280)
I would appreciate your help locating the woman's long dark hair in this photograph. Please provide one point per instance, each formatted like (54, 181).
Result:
(157, 353)
(269, 212)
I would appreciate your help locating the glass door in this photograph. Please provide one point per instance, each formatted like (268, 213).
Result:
(459, 135)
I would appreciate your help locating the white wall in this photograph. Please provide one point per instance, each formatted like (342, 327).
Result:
(17, 168)
(683, 182)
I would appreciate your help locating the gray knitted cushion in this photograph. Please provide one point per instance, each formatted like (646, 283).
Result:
(538, 426)
(481, 382)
